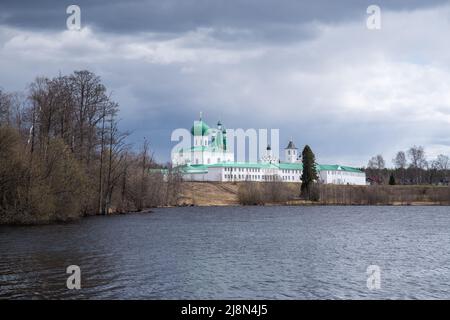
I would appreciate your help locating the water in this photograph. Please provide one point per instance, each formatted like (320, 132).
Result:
(234, 252)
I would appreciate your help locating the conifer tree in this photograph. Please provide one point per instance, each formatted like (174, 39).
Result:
(392, 180)
(309, 174)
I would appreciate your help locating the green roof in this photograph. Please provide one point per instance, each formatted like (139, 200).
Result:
(203, 168)
(290, 166)
(194, 168)
(200, 128)
(163, 171)
(336, 167)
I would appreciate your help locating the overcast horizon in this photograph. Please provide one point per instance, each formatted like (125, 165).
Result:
(313, 69)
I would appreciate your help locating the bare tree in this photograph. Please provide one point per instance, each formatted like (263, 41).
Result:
(400, 160)
(117, 155)
(89, 97)
(418, 164)
(417, 157)
(376, 162)
(442, 162)
(5, 108)
(62, 154)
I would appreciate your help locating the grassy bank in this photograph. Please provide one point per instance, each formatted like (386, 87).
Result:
(254, 193)
(277, 193)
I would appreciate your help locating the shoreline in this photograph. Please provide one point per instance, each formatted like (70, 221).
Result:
(228, 193)
(150, 210)
(220, 194)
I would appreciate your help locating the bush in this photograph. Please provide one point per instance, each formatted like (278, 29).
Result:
(259, 193)
(39, 189)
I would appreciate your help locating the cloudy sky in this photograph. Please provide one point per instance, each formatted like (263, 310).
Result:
(309, 68)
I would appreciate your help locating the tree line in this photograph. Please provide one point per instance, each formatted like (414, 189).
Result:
(410, 168)
(62, 154)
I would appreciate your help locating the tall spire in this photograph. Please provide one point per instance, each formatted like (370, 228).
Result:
(201, 114)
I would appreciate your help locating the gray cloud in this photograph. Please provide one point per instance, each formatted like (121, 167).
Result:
(311, 69)
(269, 19)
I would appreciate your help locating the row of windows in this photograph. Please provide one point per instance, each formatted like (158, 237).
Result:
(290, 178)
(242, 169)
(258, 170)
(207, 161)
(250, 177)
(345, 173)
(290, 171)
(200, 143)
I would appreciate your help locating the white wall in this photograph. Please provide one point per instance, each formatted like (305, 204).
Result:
(199, 157)
(255, 174)
(342, 177)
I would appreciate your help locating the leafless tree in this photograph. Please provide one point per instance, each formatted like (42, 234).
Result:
(62, 154)
(418, 164)
(376, 162)
(417, 157)
(442, 162)
(5, 108)
(400, 160)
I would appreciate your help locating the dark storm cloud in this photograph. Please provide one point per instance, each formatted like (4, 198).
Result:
(247, 63)
(263, 19)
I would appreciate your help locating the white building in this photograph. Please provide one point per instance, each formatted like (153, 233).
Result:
(209, 146)
(210, 160)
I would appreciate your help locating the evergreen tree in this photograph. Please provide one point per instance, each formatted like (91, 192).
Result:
(309, 174)
(392, 180)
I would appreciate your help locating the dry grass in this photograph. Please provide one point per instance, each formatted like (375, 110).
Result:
(385, 195)
(208, 194)
(260, 193)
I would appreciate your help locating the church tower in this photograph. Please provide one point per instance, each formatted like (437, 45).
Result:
(200, 131)
(268, 157)
(291, 152)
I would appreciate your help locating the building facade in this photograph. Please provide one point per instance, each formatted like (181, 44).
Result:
(210, 160)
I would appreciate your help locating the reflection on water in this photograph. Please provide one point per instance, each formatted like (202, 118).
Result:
(237, 252)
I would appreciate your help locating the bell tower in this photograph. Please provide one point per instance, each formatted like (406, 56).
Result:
(291, 152)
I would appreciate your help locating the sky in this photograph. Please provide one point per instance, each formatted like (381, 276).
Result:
(311, 69)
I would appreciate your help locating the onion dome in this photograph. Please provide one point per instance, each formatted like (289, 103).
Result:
(200, 128)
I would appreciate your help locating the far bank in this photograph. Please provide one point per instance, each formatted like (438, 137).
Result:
(266, 193)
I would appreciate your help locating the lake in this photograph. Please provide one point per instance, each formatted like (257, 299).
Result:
(315, 252)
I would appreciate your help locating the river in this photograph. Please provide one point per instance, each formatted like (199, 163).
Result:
(316, 252)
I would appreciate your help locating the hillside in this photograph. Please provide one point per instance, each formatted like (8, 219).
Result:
(226, 194)
(209, 194)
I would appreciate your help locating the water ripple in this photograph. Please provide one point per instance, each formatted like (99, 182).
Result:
(234, 253)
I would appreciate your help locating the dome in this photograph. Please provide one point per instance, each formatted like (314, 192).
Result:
(291, 145)
(200, 128)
